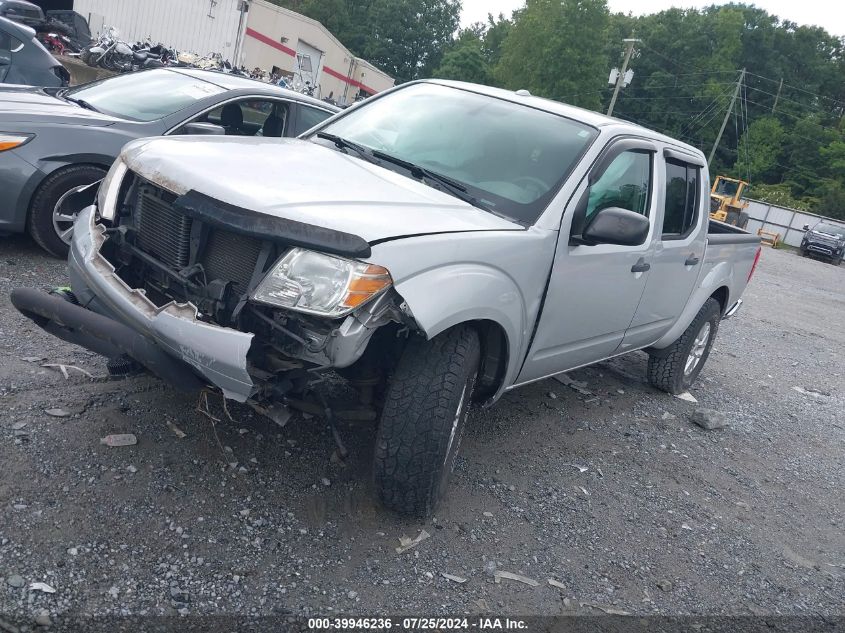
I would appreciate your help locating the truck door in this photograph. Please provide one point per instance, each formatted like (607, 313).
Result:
(678, 248)
(593, 291)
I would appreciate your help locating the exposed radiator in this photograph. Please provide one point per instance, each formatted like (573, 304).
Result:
(230, 256)
(165, 233)
(162, 231)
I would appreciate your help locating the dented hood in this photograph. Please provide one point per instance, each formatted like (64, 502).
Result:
(307, 182)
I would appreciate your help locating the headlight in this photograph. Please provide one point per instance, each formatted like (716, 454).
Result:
(109, 188)
(321, 284)
(11, 141)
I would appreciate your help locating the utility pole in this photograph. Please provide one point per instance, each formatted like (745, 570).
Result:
(727, 116)
(629, 43)
(777, 96)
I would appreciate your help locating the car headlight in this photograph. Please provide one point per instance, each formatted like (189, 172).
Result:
(109, 188)
(316, 283)
(13, 140)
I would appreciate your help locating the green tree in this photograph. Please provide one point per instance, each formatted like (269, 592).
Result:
(465, 61)
(408, 37)
(551, 50)
(759, 150)
(495, 33)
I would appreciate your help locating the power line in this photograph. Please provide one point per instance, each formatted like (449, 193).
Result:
(837, 101)
(799, 118)
(713, 106)
(782, 98)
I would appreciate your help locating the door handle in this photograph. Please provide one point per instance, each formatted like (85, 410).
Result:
(641, 266)
(692, 260)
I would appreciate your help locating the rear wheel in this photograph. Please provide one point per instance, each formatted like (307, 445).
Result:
(675, 369)
(61, 196)
(423, 419)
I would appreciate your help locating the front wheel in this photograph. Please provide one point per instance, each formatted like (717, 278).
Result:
(423, 420)
(675, 369)
(61, 196)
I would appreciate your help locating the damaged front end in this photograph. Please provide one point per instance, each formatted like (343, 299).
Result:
(205, 282)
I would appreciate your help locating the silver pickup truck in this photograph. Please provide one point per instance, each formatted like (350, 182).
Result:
(436, 245)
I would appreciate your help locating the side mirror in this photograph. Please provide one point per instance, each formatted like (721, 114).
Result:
(5, 58)
(806, 227)
(616, 226)
(203, 129)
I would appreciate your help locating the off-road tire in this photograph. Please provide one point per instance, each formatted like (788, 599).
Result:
(423, 419)
(666, 370)
(44, 202)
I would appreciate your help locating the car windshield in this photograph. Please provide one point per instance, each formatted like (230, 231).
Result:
(511, 158)
(145, 96)
(830, 229)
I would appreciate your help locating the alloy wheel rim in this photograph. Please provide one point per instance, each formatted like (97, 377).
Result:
(699, 346)
(65, 212)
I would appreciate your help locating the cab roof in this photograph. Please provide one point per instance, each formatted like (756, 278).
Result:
(583, 115)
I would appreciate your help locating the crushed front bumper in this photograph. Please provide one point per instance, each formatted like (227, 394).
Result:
(216, 353)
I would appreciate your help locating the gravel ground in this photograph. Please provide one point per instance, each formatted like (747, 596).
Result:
(617, 495)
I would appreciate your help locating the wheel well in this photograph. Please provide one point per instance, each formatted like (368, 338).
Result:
(494, 358)
(721, 295)
(56, 171)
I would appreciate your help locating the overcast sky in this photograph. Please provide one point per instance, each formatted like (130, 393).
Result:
(827, 13)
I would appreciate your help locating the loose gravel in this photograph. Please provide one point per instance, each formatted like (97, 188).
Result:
(605, 486)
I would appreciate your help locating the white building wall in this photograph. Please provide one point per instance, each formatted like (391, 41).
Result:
(274, 35)
(199, 26)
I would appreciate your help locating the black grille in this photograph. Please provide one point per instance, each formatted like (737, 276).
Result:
(162, 231)
(230, 256)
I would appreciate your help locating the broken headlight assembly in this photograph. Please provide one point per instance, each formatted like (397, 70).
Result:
(320, 284)
(109, 188)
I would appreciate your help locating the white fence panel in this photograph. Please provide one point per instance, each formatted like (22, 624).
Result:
(788, 223)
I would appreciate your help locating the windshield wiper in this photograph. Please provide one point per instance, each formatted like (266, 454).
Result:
(342, 143)
(452, 186)
(82, 103)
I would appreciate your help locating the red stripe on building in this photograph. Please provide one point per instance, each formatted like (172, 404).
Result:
(349, 80)
(270, 42)
(289, 51)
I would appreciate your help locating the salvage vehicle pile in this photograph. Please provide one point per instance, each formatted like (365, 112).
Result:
(438, 245)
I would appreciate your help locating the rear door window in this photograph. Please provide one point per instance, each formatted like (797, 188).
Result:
(682, 195)
(251, 117)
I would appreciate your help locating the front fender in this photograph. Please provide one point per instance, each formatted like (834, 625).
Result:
(443, 297)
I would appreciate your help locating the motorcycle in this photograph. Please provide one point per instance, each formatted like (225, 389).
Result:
(56, 43)
(112, 53)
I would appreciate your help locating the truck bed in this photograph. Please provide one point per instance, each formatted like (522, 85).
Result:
(722, 233)
(728, 245)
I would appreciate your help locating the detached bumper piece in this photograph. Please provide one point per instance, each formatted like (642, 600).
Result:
(102, 335)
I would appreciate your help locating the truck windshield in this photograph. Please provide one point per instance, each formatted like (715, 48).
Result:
(145, 96)
(511, 158)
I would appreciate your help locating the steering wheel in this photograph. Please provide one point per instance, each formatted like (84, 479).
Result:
(530, 182)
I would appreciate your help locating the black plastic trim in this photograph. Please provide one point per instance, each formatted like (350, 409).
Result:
(266, 227)
(102, 335)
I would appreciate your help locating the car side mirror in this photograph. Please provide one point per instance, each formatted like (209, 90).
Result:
(203, 129)
(806, 227)
(5, 58)
(613, 225)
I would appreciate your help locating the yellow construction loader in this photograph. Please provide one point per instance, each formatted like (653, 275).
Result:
(726, 204)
